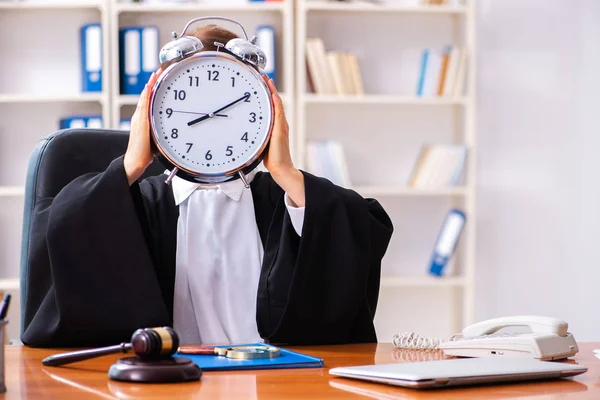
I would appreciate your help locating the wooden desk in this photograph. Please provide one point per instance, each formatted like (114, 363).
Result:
(26, 378)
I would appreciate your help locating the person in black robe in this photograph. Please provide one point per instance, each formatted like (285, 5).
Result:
(104, 253)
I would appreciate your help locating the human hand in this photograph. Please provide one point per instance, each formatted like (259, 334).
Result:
(139, 152)
(278, 159)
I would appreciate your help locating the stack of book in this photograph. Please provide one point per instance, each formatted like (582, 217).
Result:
(442, 73)
(333, 72)
(438, 166)
(327, 159)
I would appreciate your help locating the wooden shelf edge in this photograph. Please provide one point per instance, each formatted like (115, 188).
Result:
(58, 5)
(188, 7)
(384, 8)
(380, 99)
(52, 98)
(12, 191)
(10, 284)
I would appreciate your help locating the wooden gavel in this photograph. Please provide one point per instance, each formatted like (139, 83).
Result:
(147, 344)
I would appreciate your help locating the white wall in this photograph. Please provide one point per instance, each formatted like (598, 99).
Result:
(538, 166)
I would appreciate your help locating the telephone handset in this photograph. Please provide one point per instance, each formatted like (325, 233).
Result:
(548, 339)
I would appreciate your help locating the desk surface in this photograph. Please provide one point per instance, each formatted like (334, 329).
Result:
(26, 378)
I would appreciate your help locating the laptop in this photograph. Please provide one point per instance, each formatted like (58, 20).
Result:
(460, 372)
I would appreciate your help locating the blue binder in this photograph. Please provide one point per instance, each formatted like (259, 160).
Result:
(447, 241)
(81, 121)
(91, 57)
(138, 53)
(265, 39)
(423, 71)
(286, 359)
(125, 124)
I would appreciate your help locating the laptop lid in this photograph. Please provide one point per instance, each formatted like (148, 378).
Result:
(457, 372)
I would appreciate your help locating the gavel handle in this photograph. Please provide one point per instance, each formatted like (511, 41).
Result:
(74, 356)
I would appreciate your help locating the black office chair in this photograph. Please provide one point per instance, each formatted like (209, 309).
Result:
(56, 161)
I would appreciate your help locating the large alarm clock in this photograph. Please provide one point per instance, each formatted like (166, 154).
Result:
(211, 112)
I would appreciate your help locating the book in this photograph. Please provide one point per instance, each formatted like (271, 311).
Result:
(355, 74)
(318, 67)
(138, 57)
(265, 39)
(438, 166)
(286, 359)
(432, 73)
(335, 62)
(461, 73)
(447, 240)
(81, 121)
(451, 70)
(91, 57)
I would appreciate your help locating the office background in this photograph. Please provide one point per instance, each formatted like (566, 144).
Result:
(535, 88)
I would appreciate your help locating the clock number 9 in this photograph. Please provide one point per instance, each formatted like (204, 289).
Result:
(229, 151)
(252, 117)
(208, 156)
(169, 112)
(174, 133)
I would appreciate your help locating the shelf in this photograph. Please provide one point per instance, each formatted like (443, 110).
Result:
(12, 191)
(9, 284)
(51, 98)
(48, 5)
(194, 7)
(373, 191)
(127, 99)
(132, 99)
(381, 99)
(398, 281)
(383, 8)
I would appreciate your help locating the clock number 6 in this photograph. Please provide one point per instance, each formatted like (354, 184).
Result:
(208, 156)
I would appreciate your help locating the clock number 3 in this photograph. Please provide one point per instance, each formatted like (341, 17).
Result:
(252, 117)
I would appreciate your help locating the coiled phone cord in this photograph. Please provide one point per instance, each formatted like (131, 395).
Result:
(412, 341)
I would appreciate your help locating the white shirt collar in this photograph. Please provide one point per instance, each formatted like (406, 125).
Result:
(183, 189)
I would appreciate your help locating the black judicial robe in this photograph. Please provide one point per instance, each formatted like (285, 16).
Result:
(102, 262)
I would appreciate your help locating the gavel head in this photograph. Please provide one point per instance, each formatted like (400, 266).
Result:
(155, 342)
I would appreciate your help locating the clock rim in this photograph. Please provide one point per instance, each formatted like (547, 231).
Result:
(199, 177)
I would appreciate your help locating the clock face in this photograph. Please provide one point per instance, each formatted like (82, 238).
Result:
(211, 114)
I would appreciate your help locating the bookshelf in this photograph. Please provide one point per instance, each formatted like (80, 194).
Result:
(171, 17)
(52, 89)
(381, 149)
(39, 84)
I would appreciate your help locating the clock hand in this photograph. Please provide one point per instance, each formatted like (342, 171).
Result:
(212, 114)
(199, 113)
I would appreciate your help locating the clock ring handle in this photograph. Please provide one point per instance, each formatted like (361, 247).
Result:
(211, 17)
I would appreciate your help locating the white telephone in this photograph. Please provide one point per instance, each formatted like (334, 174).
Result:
(549, 339)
